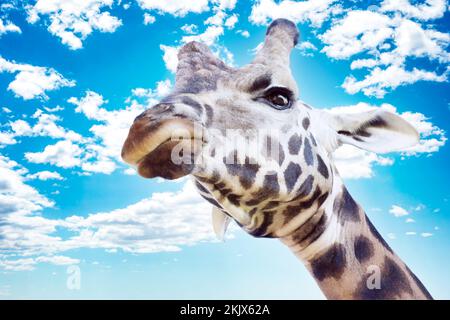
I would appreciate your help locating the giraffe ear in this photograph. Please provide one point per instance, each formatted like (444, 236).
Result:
(377, 130)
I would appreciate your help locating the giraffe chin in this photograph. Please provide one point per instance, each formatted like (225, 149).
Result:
(170, 160)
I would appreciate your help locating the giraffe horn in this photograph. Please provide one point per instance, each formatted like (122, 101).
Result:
(281, 37)
(220, 223)
(197, 68)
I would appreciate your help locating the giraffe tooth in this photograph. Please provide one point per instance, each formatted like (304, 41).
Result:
(220, 223)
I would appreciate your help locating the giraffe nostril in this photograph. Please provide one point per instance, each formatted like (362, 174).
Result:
(160, 108)
(153, 112)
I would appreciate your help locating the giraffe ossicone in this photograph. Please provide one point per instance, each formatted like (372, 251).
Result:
(264, 159)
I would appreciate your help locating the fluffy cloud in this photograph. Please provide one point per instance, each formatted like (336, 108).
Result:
(170, 57)
(189, 28)
(390, 41)
(431, 9)
(231, 21)
(426, 234)
(379, 81)
(306, 48)
(112, 126)
(95, 153)
(163, 222)
(28, 264)
(45, 175)
(15, 195)
(32, 82)
(149, 19)
(243, 33)
(178, 8)
(101, 152)
(8, 27)
(215, 28)
(72, 21)
(355, 163)
(398, 211)
(45, 126)
(359, 30)
(314, 11)
(209, 37)
(64, 154)
(381, 39)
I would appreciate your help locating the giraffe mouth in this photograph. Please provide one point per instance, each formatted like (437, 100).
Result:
(166, 149)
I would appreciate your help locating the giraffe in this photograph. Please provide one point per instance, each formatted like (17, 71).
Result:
(277, 179)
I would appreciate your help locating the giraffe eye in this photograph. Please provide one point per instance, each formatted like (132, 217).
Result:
(278, 98)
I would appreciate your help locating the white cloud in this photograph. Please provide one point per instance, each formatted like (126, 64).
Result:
(359, 30)
(45, 126)
(432, 137)
(58, 260)
(225, 4)
(426, 234)
(97, 153)
(110, 132)
(15, 195)
(215, 28)
(355, 163)
(149, 19)
(6, 138)
(178, 8)
(379, 81)
(72, 21)
(398, 211)
(32, 82)
(314, 11)
(209, 37)
(363, 63)
(412, 40)
(28, 264)
(189, 28)
(130, 172)
(243, 33)
(170, 57)
(410, 233)
(391, 236)
(431, 9)
(381, 40)
(231, 21)
(163, 222)
(306, 48)
(45, 175)
(410, 220)
(162, 89)
(64, 154)
(6, 27)
(387, 41)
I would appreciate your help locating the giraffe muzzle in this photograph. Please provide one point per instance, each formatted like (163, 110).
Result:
(167, 148)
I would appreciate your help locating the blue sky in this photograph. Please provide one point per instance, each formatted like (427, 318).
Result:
(73, 77)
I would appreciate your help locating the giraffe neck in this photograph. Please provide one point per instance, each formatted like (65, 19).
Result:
(347, 256)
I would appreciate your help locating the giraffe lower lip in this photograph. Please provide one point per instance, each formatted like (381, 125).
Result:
(165, 161)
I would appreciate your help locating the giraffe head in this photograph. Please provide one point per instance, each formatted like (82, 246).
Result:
(256, 152)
